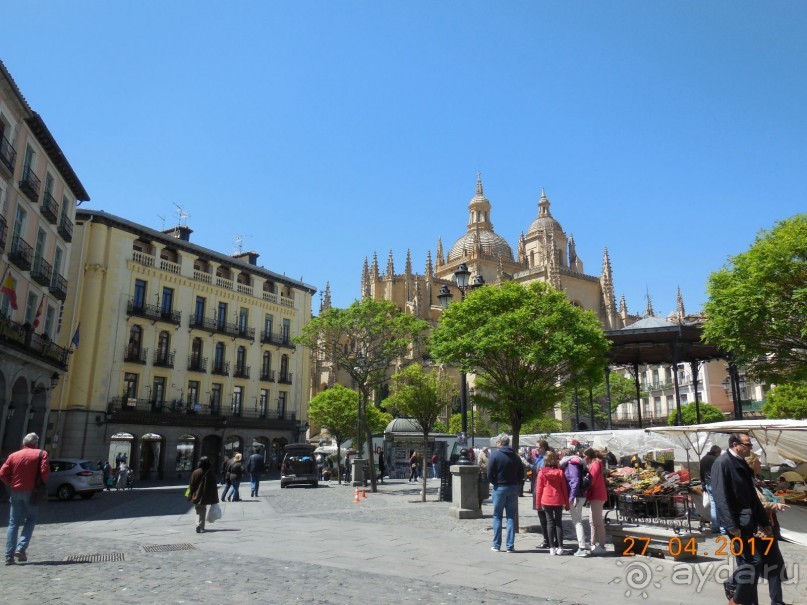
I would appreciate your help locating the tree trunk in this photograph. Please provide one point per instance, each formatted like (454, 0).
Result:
(425, 449)
(339, 461)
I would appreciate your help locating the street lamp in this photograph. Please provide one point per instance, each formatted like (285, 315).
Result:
(461, 279)
(473, 426)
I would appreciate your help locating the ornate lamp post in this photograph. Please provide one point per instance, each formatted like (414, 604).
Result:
(461, 279)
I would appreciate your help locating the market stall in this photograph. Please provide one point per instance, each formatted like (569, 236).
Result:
(782, 446)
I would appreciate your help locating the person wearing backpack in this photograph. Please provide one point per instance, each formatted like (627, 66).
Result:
(579, 480)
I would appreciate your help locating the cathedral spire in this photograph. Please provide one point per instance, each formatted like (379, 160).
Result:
(390, 266)
(440, 257)
(429, 267)
(479, 208)
(649, 312)
(680, 306)
(543, 205)
(408, 265)
(521, 251)
(374, 267)
(326, 298)
(365, 280)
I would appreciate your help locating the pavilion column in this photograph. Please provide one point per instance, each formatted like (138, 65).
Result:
(608, 393)
(694, 365)
(638, 392)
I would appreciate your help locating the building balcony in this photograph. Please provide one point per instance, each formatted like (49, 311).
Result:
(163, 359)
(8, 157)
(241, 371)
(58, 287)
(21, 253)
(279, 339)
(222, 368)
(65, 228)
(212, 415)
(41, 272)
(202, 276)
(143, 258)
(267, 375)
(153, 312)
(49, 208)
(202, 323)
(235, 330)
(197, 364)
(285, 378)
(135, 355)
(30, 184)
(23, 338)
(3, 229)
(170, 266)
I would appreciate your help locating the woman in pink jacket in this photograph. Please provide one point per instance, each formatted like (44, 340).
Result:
(597, 494)
(552, 495)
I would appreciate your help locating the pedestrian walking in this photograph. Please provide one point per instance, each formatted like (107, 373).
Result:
(225, 476)
(382, 467)
(107, 470)
(413, 466)
(740, 511)
(204, 491)
(552, 495)
(255, 469)
(505, 473)
(707, 462)
(596, 495)
(236, 470)
(123, 476)
(435, 465)
(537, 464)
(19, 472)
(574, 469)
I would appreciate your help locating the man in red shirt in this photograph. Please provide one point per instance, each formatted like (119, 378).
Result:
(19, 473)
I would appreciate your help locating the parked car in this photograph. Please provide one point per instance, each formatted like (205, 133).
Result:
(299, 465)
(71, 476)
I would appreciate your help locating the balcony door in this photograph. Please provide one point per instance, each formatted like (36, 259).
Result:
(139, 298)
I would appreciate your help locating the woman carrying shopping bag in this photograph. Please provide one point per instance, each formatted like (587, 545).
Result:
(203, 491)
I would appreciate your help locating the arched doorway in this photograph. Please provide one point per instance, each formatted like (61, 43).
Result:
(121, 447)
(152, 452)
(186, 456)
(263, 444)
(278, 445)
(16, 416)
(233, 444)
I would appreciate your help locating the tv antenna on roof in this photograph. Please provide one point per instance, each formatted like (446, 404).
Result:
(238, 247)
(183, 216)
(162, 218)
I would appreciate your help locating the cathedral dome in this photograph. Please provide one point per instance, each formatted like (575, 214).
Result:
(491, 243)
(480, 235)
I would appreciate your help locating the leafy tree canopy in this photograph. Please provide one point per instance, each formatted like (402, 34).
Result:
(480, 426)
(786, 401)
(757, 307)
(335, 409)
(689, 415)
(423, 397)
(623, 390)
(522, 342)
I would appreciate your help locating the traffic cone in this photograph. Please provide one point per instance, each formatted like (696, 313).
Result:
(363, 493)
(356, 496)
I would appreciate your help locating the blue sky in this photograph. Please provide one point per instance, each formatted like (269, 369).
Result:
(670, 132)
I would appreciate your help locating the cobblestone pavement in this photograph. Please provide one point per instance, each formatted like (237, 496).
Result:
(301, 545)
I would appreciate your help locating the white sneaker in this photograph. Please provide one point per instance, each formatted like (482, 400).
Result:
(494, 549)
(551, 551)
(561, 552)
(598, 550)
(580, 553)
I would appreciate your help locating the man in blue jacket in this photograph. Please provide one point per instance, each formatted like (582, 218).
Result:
(505, 473)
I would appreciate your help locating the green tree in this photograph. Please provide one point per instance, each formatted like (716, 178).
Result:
(539, 426)
(786, 401)
(364, 340)
(757, 307)
(479, 426)
(421, 396)
(522, 342)
(622, 388)
(377, 420)
(336, 410)
(689, 414)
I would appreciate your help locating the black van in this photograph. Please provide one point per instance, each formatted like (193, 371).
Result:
(299, 465)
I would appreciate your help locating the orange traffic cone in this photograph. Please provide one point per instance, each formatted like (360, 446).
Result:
(363, 493)
(356, 496)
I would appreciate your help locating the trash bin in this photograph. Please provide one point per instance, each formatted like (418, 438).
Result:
(484, 487)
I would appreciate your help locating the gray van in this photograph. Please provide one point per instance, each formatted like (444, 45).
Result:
(299, 465)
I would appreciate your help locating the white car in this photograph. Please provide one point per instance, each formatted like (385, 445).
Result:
(71, 476)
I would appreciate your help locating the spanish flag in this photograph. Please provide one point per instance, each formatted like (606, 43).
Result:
(39, 312)
(9, 288)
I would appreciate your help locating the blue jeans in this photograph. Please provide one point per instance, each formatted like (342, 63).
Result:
(21, 514)
(233, 489)
(254, 483)
(505, 498)
(712, 509)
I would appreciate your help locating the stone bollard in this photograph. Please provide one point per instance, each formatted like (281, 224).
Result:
(465, 492)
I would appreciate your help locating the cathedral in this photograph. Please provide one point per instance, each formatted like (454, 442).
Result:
(545, 253)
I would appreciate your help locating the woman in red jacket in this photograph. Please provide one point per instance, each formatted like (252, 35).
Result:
(552, 495)
(597, 494)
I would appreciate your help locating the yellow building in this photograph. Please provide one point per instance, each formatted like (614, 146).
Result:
(39, 192)
(183, 351)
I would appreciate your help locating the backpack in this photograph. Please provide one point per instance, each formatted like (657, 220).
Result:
(583, 479)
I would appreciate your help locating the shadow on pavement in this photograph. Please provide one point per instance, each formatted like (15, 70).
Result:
(54, 563)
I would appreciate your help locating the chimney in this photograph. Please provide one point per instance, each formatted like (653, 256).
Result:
(250, 257)
(182, 232)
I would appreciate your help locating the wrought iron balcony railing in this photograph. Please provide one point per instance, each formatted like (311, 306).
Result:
(197, 364)
(8, 155)
(285, 378)
(163, 359)
(280, 339)
(58, 286)
(241, 371)
(49, 208)
(41, 272)
(23, 338)
(21, 253)
(153, 312)
(145, 409)
(203, 323)
(268, 375)
(30, 184)
(222, 368)
(135, 355)
(3, 229)
(65, 228)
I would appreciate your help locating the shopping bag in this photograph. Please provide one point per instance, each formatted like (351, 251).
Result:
(213, 513)
(188, 493)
